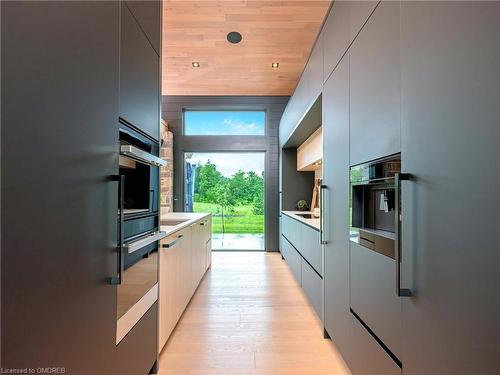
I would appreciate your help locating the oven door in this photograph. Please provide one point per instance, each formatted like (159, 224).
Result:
(139, 167)
(141, 186)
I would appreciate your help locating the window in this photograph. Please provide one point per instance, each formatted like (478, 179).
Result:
(224, 122)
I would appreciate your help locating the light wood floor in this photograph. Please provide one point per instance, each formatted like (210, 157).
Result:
(249, 316)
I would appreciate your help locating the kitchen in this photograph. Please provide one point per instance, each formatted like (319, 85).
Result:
(379, 219)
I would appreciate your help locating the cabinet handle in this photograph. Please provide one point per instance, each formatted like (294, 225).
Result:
(400, 292)
(117, 280)
(131, 247)
(173, 243)
(322, 239)
(141, 155)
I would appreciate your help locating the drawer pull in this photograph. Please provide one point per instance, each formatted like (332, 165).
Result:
(173, 243)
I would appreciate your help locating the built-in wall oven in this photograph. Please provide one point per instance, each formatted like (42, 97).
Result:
(138, 199)
(375, 250)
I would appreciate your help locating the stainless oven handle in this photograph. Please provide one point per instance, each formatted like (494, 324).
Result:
(141, 155)
(117, 280)
(173, 243)
(400, 292)
(133, 246)
(322, 188)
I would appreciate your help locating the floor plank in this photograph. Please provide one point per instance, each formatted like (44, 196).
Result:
(249, 316)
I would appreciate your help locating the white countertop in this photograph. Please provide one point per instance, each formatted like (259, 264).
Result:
(172, 222)
(311, 222)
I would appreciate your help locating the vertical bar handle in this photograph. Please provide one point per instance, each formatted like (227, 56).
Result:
(322, 188)
(117, 280)
(400, 292)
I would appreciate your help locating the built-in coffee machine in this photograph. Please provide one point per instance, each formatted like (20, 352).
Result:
(375, 204)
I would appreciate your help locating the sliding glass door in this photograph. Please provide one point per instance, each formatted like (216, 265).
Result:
(230, 185)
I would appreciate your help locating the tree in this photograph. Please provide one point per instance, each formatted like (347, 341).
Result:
(238, 188)
(224, 199)
(258, 203)
(207, 181)
(255, 185)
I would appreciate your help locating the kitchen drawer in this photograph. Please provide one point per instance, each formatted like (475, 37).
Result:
(310, 247)
(293, 259)
(287, 227)
(311, 284)
(304, 239)
(366, 356)
(373, 297)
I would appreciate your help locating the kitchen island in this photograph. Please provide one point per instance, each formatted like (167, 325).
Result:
(185, 257)
(172, 222)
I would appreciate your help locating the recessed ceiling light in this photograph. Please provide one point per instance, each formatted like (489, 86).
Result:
(195, 64)
(275, 65)
(234, 37)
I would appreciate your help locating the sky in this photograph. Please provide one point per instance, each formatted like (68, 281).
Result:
(228, 163)
(224, 123)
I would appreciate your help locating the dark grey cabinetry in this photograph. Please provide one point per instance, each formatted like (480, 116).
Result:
(305, 239)
(373, 296)
(292, 257)
(366, 356)
(148, 15)
(375, 86)
(450, 144)
(139, 76)
(59, 147)
(60, 110)
(337, 318)
(311, 284)
(344, 22)
(300, 247)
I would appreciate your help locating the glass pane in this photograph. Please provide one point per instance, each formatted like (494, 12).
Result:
(224, 122)
(231, 187)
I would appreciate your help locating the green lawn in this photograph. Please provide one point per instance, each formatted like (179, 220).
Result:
(242, 220)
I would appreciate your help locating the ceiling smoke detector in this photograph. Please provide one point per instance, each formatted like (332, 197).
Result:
(234, 37)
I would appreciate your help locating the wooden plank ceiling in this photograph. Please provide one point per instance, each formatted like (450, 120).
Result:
(273, 31)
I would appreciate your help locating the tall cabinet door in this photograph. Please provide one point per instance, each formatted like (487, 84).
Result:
(336, 204)
(139, 77)
(148, 15)
(59, 148)
(450, 144)
(375, 86)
